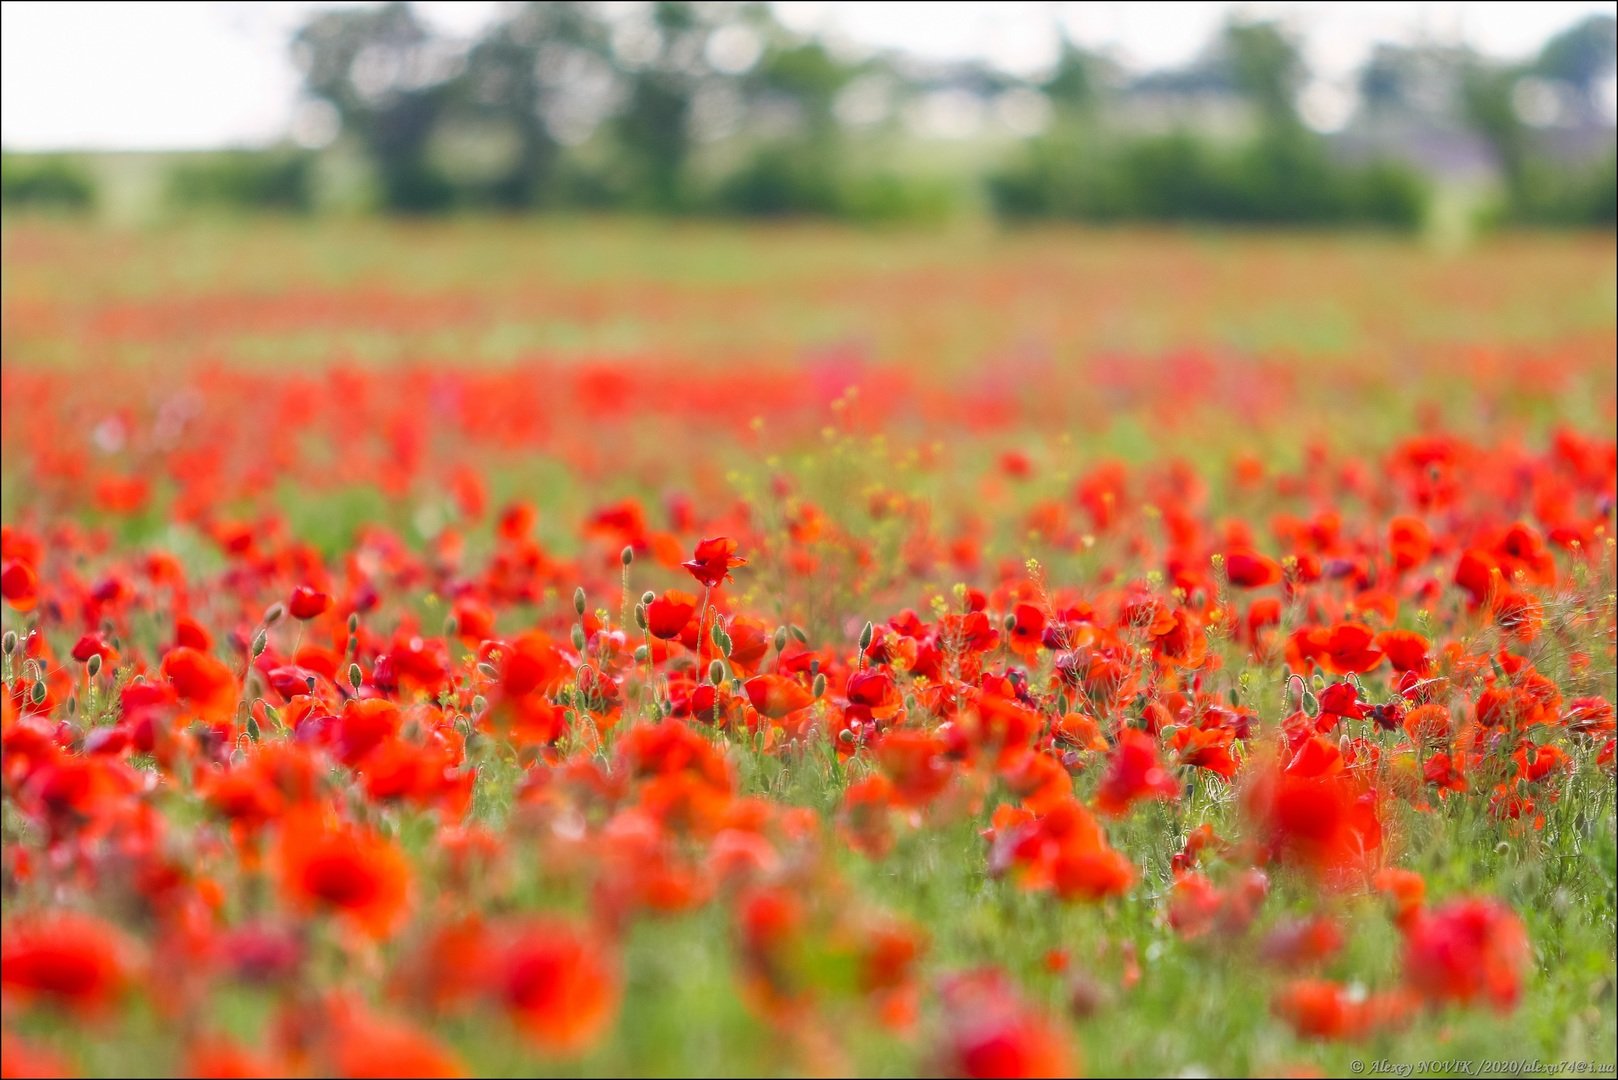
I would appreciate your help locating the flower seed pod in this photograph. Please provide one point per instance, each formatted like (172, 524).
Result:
(309, 681)
(353, 622)
(716, 672)
(642, 654)
(93, 665)
(780, 638)
(273, 613)
(866, 635)
(479, 703)
(37, 693)
(648, 596)
(627, 555)
(820, 686)
(640, 616)
(355, 677)
(578, 635)
(488, 671)
(10, 642)
(797, 632)
(260, 643)
(578, 600)
(726, 645)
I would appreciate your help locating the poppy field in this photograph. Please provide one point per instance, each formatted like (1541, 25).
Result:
(502, 648)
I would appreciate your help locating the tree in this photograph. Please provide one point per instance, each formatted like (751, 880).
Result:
(1582, 56)
(663, 60)
(517, 79)
(1264, 65)
(389, 80)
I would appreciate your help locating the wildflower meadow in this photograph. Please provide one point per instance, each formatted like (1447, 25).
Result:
(520, 647)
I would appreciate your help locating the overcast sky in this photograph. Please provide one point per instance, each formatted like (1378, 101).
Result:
(195, 75)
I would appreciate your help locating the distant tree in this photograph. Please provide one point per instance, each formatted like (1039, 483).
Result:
(389, 79)
(1265, 65)
(1489, 108)
(1582, 57)
(663, 59)
(49, 183)
(1075, 84)
(517, 77)
(281, 180)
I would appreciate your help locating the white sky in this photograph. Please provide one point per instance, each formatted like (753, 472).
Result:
(123, 75)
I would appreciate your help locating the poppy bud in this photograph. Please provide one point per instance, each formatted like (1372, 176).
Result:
(578, 635)
(578, 600)
(1009, 622)
(353, 622)
(715, 632)
(725, 644)
(797, 632)
(814, 666)
(820, 685)
(640, 616)
(73, 706)
(866, 635)
(10, 643)
(452, 627)
(1311, 705)
(780, 639)
(309, 681)
(260, 643)
(716, 673)
(273, 613)
(845, 736)
(37, 693)
(353, 647)
(479, 703)
(648, 596)
(252, 727)
(627, 555)
(355, 676)
(642, 654)
(488, 671)
(93, 665)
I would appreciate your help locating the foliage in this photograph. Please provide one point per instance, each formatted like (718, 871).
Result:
(49, 183)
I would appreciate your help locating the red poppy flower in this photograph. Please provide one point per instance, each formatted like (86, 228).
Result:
(669, 614)
(63, 958)
(1134, 772)
(558, 985)
(18, 585)
(306, 603)
(713, 561)
(1247, 569)
(776, 695)
(202, 682)
(355, 874)
(1467, 950)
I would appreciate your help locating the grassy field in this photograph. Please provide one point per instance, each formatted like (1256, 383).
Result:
(1155, 653)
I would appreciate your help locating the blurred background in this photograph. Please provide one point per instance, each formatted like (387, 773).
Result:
(1398, 116)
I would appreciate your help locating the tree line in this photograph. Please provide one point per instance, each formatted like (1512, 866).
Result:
(718, 108)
